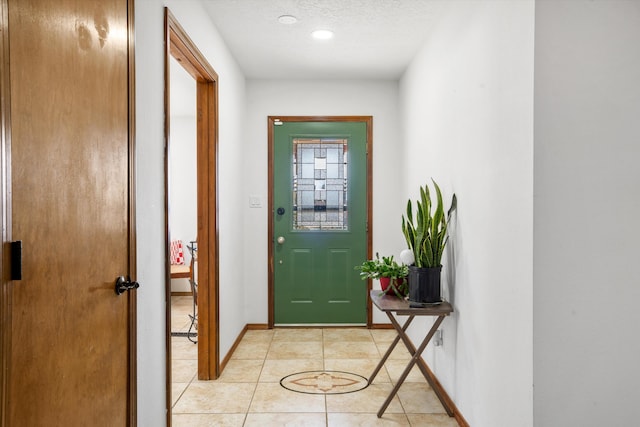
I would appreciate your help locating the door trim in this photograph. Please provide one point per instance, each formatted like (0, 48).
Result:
(179, 45)
(5, 211)
(133, 296)
(368, 120)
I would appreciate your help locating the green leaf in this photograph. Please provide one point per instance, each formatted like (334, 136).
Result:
(453, 207)
(409, 211)
(421, 228)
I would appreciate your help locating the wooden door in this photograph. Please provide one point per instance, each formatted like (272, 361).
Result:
(320, 222)
(72, 345)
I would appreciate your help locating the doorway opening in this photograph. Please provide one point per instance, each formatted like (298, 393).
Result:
(180, 47)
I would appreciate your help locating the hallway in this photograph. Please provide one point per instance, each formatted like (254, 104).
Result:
(249, 393)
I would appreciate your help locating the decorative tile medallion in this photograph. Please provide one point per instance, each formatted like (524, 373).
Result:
(324, 382)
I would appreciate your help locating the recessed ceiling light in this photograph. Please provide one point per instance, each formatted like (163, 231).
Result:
(287, 19)
(322, 34)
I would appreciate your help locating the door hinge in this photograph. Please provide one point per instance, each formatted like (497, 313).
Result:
(366, 226)
(16, 260)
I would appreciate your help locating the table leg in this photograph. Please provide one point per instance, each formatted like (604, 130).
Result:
(391, 347)
(423, 366)
(416, 355)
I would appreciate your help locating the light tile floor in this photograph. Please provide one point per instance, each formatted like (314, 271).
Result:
(248, 393)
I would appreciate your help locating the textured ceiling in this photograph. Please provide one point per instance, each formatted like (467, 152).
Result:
(374, 39)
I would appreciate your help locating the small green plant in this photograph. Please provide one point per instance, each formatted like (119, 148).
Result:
(427, 236)
(378, 268)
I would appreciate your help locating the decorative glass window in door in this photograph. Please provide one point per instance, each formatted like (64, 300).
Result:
(320, 184)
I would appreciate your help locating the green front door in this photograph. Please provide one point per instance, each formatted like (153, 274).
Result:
(319, 222)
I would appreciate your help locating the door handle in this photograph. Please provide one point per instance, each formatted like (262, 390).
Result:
(123, 285)
(280, 240)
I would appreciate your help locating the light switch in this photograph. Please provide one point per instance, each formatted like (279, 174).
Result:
(254, 202)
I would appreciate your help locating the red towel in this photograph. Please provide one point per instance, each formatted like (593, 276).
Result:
(177, 254)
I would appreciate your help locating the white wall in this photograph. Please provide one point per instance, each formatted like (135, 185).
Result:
(149, 24)
(587, 206)
(467, 115)
(183, 198)
(312, 97)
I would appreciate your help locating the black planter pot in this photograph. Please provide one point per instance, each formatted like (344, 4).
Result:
(424, 284)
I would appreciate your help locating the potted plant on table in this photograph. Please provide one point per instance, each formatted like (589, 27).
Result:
(392, 275)
(426, 237)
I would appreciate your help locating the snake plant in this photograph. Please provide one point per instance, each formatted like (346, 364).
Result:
(427, 235)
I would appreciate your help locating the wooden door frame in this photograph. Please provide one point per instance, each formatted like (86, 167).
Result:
(5, 210)
(368, 120)
(5, 218)
(183, 49)
(133, 261)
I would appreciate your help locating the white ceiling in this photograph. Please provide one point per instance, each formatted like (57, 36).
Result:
(374, 39)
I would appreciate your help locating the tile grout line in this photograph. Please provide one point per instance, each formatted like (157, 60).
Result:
(173, 405)
(324, 367)
(255, 389)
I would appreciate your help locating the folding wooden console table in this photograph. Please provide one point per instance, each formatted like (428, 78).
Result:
(390, 304)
